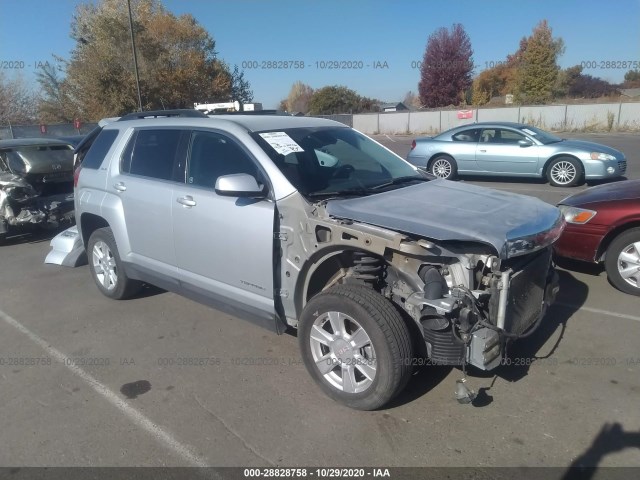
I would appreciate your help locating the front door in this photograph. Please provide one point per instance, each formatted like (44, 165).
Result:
(499, 151)
(224, 245)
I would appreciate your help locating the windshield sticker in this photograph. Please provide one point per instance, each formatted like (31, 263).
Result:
(526, 130)
(281, 142)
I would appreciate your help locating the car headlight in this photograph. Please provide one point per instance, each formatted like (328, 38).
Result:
(601, 156)
(578, 216)
(535, 241)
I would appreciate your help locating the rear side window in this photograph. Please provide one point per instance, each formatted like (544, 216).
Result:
(467, 135)
(155, 153)
(92, 155)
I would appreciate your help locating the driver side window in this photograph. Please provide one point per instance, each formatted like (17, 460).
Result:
(213, 155)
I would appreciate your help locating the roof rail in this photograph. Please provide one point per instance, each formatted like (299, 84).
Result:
(185, 112)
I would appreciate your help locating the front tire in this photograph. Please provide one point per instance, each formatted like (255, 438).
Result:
(106, 267)
(622, 262)
(355, 346)
(443, 166)
(565, 172)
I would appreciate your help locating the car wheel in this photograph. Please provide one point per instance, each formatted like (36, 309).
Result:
(622, 262)
(106, 266)
(444, 166)
(356, 346)
(564, 172)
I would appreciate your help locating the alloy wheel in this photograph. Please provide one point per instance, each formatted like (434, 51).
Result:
(343, 352)
(563, 172)
(104, 265)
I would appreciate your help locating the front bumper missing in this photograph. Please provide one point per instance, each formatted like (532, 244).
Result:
(524, 297)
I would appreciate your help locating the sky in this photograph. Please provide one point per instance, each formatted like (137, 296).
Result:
(382, 41)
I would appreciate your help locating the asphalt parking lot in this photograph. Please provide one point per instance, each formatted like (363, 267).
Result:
(162, 381)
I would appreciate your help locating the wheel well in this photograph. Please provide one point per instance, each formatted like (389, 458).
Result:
(358, 265)
(560, 155)
(610, 236)
(89, 223)
(433, 157)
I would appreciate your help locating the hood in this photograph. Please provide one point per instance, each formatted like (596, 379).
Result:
(451, 211)
(590, 147)
(622, 190)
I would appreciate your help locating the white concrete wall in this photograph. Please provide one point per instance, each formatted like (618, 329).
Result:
(392, 123)
(366, 123)
(424, 122)
(626, 116)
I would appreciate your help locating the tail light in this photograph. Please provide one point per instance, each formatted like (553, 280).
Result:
(413, 144)
(76, 176)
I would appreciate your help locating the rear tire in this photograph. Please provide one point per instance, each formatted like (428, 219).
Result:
(565, 172)
(622, 262)
(355, 346)
(106, 267)
(444, 166)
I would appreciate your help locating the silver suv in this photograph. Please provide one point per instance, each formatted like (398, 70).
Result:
(307, 224)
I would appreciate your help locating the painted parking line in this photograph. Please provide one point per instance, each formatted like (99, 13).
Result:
(391, 139)
(162, 436)
(598, 311)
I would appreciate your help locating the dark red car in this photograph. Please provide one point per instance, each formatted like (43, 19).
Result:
(603, 225)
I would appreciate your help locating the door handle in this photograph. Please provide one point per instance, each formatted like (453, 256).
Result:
(482, 150)
(187, 201)
(120, 186)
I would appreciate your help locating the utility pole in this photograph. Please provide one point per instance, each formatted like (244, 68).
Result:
(135, 57)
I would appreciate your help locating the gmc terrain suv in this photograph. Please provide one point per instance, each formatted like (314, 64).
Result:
(307, 224)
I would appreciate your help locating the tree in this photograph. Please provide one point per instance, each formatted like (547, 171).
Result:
(334, 99)
(178, 63)
(538, 68)
(18, 103)
(632, 79)
(54, 104)
(240, 88)
(446, 67)
(299, 97)
(411, 100)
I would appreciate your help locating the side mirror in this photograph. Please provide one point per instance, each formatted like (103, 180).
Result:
(525, 143)
(239, 185)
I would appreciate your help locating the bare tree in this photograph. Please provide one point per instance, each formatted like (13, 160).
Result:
(18, 103)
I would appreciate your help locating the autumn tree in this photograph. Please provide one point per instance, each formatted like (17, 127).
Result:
(338, 99)
(177, 60)
(538, 68)
(446, 68)
(18, 103)
(299, 97)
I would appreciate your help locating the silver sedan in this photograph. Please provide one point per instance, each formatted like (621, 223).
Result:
(518, 150)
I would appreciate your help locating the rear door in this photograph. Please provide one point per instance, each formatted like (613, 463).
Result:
(224, 245)
(149, 172)
(498, 151)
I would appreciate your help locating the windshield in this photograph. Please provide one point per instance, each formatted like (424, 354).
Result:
(540, 135)
(334, 160)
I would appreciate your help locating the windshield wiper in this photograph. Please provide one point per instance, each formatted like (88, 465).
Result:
(341, 193)
(399, 181)
(367, 190)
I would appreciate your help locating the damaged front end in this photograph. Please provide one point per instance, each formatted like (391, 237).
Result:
(472, 324)
(23, 204)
